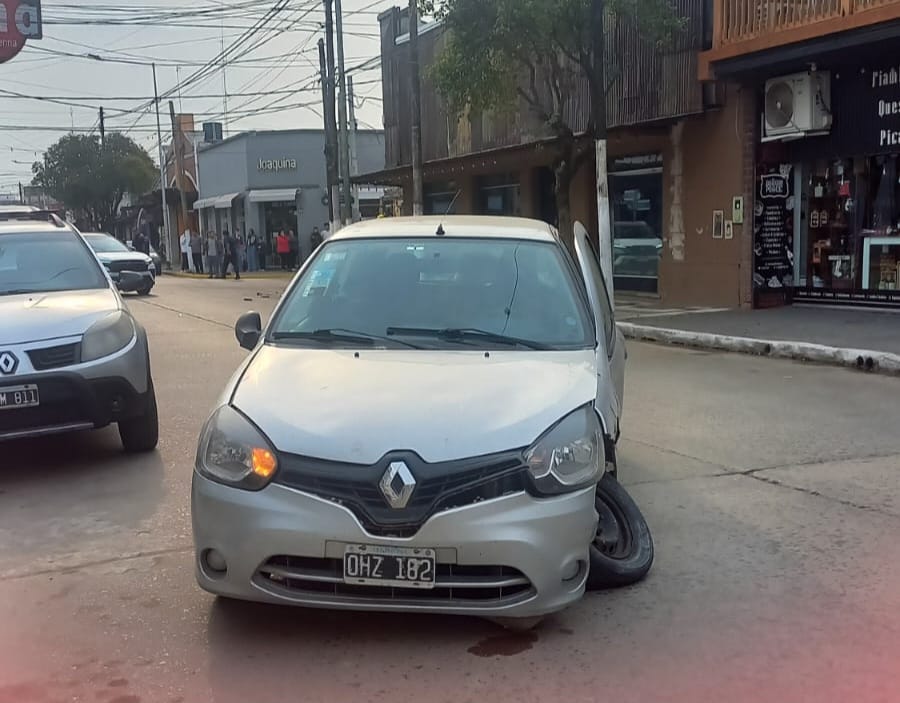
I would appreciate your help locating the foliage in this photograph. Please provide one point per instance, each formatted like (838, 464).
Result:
(501, 54)
(92, 179)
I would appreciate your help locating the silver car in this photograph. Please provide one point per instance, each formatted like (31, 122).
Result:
(118, 257)
(427, 423)
(71, 355)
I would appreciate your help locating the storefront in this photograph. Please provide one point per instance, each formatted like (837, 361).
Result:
(273, 181)
(827, 213)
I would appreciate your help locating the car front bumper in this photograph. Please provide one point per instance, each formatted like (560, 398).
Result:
(148, 280)
(541, 545)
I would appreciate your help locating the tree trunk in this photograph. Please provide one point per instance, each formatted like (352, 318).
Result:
(563, 173)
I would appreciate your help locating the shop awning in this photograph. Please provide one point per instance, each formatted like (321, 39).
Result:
(204, 203)
(223, 202)
(276, 195)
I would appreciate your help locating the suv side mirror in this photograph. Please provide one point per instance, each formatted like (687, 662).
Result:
(248, 330)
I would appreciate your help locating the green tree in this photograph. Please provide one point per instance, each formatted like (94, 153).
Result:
(501, 55)
(92, 179)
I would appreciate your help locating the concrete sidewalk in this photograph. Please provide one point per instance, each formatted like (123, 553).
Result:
(857, 338)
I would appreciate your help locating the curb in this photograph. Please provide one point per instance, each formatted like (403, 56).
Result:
(862, 359)
(249, 276)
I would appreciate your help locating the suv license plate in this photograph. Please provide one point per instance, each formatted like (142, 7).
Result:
(401, 567)
(12, 397)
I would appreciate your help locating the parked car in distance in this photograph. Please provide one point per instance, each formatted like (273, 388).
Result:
(154, 256)
(117, 257)
(427, 423)
(637, 249)
(71, 355)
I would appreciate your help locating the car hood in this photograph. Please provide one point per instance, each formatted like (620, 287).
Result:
(443, 405)
(122, 256)
(38, 316)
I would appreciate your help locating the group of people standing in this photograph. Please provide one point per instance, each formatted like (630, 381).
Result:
(216, 254)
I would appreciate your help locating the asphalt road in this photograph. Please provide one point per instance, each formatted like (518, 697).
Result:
(771, 489)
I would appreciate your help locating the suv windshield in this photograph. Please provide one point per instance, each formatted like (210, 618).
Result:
(44, 262)
(105, 244)
(444, 293)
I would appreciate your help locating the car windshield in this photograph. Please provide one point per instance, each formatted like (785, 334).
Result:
(43, 262)
(105, 244)
(436, 293)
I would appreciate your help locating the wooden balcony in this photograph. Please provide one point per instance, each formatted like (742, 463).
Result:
(747, 26)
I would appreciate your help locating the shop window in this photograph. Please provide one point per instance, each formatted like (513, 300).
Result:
(850, 236)
(636, 201)
(499, 195)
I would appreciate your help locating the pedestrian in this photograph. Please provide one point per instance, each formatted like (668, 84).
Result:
(242, 252)
(326, 232)
(197, 251)
(229, 244)
(315, 238)
(184, 243)
(283, 249)
(265, 248)
(213, 254)
(293, 249)
(252, 251)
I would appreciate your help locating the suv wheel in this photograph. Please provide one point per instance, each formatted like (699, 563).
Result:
(141, 432)
(145, 291)
(622, 551)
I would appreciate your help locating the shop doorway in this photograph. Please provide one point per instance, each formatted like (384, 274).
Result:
(636, 202)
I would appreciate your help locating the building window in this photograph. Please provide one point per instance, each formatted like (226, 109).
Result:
(849, 246)
(499, 195)
(636, 201)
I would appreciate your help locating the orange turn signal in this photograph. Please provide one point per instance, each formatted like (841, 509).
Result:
(263, 462)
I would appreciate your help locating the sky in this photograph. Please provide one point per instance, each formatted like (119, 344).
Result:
(181, 37)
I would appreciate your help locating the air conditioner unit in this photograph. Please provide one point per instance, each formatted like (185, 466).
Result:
(798, 105)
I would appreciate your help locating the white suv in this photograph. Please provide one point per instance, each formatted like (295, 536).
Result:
(71, 355)
(428, 423)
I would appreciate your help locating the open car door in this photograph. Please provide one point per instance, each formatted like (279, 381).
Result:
(610, 341)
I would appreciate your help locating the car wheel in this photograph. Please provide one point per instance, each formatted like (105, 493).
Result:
(145, 291)
(622, 551)
(141, 433)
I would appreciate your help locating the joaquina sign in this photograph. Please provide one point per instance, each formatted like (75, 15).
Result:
(19, 22)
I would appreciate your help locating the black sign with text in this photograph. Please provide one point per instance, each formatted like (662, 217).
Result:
(773, 232)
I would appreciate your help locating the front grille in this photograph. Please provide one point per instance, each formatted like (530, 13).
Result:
(132, 265)
(439, 487)
(55, 357)
(455, 584)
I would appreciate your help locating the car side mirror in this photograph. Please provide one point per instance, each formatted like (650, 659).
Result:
(130, 279)
(248, 330)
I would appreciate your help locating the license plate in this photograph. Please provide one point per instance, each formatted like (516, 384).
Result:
(402, 567)
(12, 397)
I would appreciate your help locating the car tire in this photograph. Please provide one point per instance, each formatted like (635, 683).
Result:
(145, 291)
(622, 551)
(141, 432)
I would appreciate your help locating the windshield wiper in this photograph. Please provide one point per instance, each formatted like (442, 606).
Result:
(465, 334)
(341, 335)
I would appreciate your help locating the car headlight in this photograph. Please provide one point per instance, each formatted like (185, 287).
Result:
(233, 451)
(570, 455)
(107, 336)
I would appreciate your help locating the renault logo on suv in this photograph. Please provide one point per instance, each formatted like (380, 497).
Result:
(8, 363)
(397, 485)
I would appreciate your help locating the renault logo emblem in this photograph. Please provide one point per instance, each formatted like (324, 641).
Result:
(8, 363)
(397, 485)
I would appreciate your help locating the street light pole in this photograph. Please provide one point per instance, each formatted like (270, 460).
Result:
(162, 175)
(344, 141)
(598, 108)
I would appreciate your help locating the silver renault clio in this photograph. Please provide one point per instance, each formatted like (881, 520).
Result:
(427, 423)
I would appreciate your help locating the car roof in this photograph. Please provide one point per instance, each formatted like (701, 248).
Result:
(97, 234)
(452, 226)
(18, 208)
(25, 226)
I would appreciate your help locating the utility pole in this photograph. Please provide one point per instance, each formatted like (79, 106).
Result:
(179, 164)
(343, 140)
(331, 131)
(354, 154)
(598, 108)
(102, 129)
(331, 166)
(416, 107)
(171, 247)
